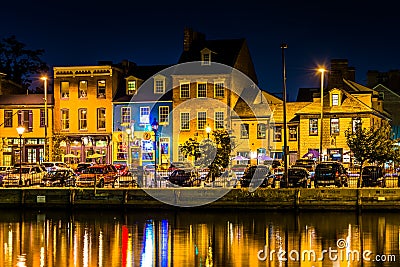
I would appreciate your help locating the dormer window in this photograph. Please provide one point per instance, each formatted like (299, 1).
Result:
(206, 56)
(159, 84)
(131, 88)
(335, 99)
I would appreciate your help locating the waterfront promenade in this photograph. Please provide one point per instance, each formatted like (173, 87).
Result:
(262, 198)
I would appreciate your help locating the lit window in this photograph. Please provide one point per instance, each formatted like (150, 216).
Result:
(219, 90)
(42, 118)
(144, 115)
(64, 119)
(277, 133)
(219, 120)
(64, 89)
(184, 90)
(83, 89)
(82, 118)
(261, 131)
(244, 131)
(185, 125)
(313, 127)
(335, 126)
(101, 118)
(201, 120)
(125, 115)
(201, 90)
(335, 100)
(206, 58)
(131, 88)
(164, 114)
(101, 89)
(357, 125)
(25, 118)
(292, 133)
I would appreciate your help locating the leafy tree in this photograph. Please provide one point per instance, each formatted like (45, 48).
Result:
(57, 149)
(373, 145)
(19, 63)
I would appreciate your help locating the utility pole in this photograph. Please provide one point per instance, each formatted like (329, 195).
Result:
(285, 147)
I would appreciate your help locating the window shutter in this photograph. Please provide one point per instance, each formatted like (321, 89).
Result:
(30, 125)
(19, 117)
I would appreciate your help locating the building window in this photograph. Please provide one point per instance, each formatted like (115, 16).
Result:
(292, 133)
(64, 89)
(219, 90)
(131, 88)
(357, 124)
(83, 85)
(201, 90)
(244, 131)
(101, 118)
(185, 90)
(201, 120)
(313, 127)
(277, 133)
(42, 118)
(122, 151)
(219, 120)
(82, 118)
(64, 119)
(8, 114)
(163, 114)
(335, 100)
(25, 118)
(185, 125)
(125, 115)
(159, 86)
(261, 131)
(101, 89)
(206, 59)
(144, 115)
(335, 126)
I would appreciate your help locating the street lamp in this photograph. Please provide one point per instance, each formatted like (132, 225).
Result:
(154, 126)
(285, 147)
(208, 131)
(45, 117)
(128, 132)
(20, 130)
(322, 71)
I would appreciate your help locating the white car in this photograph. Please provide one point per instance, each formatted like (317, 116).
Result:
(56, 165)
(26, 176)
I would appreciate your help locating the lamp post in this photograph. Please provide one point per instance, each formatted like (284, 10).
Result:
(285, 148)
(154, 126)
(20, 130)
(45, 118)
(208, 131)
(322, 71)
(128, 132)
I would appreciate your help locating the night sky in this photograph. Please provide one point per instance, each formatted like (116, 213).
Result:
(151, 32)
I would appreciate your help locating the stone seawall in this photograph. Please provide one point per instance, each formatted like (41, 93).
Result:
(289, 199)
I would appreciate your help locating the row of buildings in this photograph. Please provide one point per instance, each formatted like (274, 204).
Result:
(126, 113)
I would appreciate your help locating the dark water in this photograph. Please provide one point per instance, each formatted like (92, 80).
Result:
(198, 238)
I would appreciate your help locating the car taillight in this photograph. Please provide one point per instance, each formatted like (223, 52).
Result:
(337, 173)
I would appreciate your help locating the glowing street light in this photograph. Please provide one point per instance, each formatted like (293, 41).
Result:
(322, 71)
(208, 131)
(20, 130)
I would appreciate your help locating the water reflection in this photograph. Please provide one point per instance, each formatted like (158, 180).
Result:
(202, 238)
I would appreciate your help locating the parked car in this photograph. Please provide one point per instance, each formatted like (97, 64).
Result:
(309, 164)
(4, 171)
(226, 179)
(373, 176)
(122, 169)
(29, 174)
(56, 165)
(61, 177)
(82, 166)
(185, 178)
(103, 174)
(176, 165)
(330, 173)
(256, 175)
(297, 177)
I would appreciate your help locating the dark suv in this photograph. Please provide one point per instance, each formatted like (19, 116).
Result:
(373, 176)
(330, 173)
(297, 177)
(255, 176)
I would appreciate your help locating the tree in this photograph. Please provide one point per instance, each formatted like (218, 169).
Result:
(19, 63)
(57, 148)
(373, 145)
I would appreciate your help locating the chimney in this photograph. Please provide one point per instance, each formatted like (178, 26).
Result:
(190, 37)
(340, 70)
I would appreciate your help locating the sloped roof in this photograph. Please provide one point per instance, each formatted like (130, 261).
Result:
(306, 94)
(26, 99)
(254, 103)
(291, 110)
(356, 87)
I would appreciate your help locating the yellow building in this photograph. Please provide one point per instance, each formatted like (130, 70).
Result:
(83, 110)
(28, 111)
